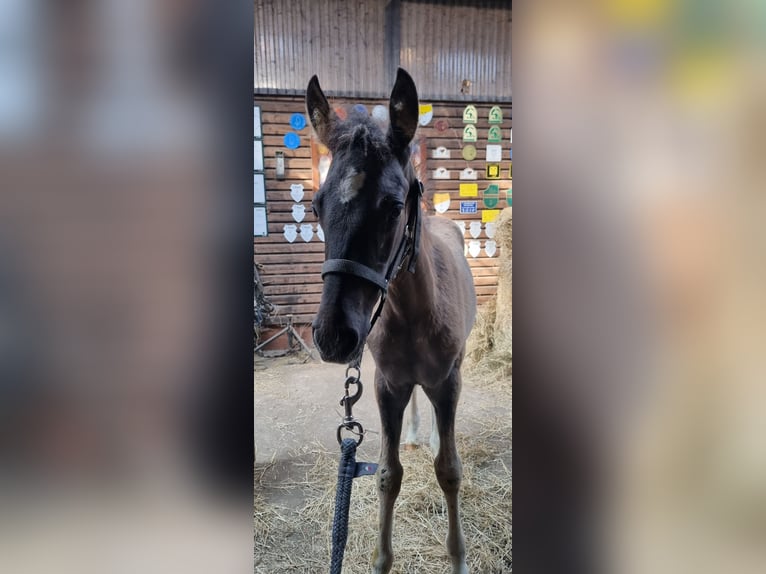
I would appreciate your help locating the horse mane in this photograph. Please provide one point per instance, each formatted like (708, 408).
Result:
(361, 132)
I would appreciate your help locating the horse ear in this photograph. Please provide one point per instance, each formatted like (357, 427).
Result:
(320, 115)
(403, 110)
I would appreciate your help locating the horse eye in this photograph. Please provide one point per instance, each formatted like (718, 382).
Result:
(395, 210)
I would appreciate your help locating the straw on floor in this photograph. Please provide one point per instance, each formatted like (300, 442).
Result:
(297, 540)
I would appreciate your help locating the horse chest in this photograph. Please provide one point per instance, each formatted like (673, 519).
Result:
(413, 356)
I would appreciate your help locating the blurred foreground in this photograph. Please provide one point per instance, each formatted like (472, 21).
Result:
(120, 234)
(640, 366)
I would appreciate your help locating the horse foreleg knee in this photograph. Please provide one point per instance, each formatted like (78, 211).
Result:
(449, 474)
(389, 479)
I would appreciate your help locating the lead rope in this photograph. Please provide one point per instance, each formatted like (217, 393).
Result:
(348, 469)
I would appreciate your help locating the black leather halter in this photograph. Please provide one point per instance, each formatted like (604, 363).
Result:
(409, 246)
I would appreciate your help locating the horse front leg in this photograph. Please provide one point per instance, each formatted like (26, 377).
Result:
(447, 465)
(391, 404)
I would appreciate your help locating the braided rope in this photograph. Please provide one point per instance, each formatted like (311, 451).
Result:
(346, 470)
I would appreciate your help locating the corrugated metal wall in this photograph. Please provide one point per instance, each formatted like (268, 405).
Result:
(343, 42)
(444, 43)
(355, 47)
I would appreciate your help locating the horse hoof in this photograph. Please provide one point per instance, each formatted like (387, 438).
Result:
(381, 565)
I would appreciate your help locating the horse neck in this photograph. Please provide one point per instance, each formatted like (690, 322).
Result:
(413, 294)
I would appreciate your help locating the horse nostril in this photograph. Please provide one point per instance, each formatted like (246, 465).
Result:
(348, 341)
(336, 344)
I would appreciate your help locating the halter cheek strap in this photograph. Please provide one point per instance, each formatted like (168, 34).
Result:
(408, 246)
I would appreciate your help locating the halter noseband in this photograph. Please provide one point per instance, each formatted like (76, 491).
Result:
(408, 246)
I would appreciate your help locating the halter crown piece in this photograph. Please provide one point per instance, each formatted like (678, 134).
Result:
(409, 246)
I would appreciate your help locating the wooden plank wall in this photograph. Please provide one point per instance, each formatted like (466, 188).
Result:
(291, 271)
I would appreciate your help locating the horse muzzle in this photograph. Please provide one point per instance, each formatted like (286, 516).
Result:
(337, 343)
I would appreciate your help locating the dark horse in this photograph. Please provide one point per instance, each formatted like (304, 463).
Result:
(369, 208)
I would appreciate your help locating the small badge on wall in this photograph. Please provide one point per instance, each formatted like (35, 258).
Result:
(470, 115)
(469, 173)
(467, 207)
(299, 212)
(291, 232)
(470, 133)
(494, 153)
(469, 153)
(320, 232)
(297, 122)
(441, 125)
(307, 232)
(441, 173)
(469, 189)
(440, 152)
(490, 229)
(495, 134)
(495, 115)
(426, 114)
(292, 140)
(475, 229)
(491, 196)
(490, 248)
(296, 192)
(489, 215)
(493, 171)
(474, 248)
(441, 202)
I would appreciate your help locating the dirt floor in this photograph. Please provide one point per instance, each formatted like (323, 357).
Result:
(297, 412)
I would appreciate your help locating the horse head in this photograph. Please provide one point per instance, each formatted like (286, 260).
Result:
(362, 207)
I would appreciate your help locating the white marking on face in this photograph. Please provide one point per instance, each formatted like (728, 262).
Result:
(398, 106)
(351, 184)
